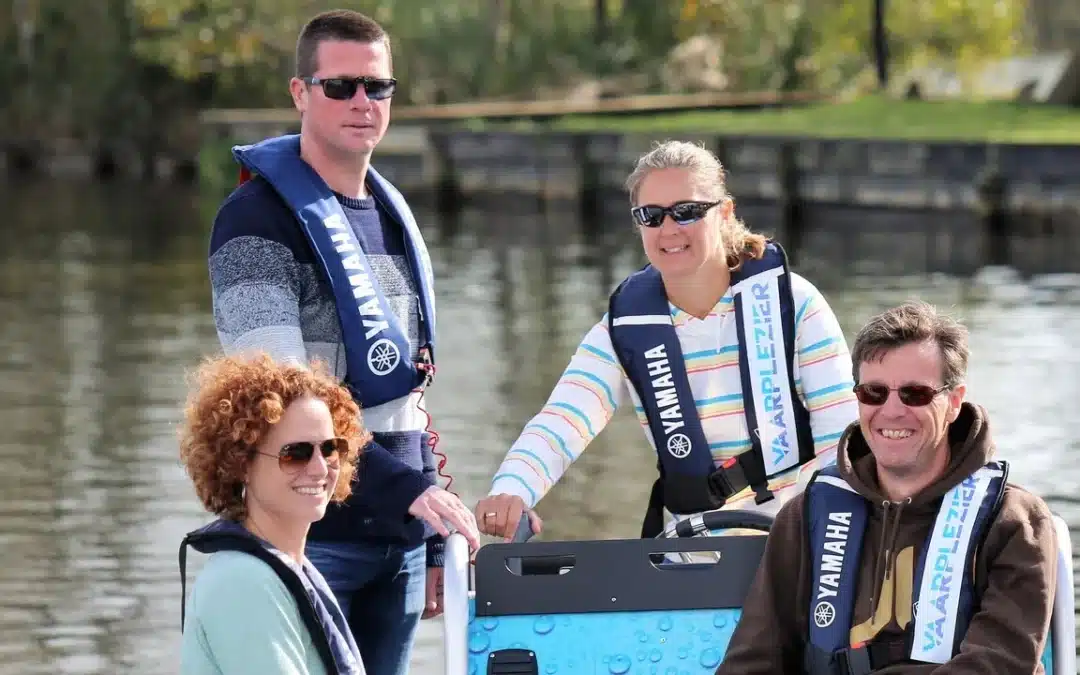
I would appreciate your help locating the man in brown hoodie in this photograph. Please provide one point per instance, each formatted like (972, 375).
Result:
(916, 476)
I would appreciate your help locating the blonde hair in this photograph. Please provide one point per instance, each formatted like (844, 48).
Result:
(709, 177)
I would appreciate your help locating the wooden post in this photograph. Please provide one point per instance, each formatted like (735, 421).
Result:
(991, 191)
(448, 198)
(791, 212)
(588, 171)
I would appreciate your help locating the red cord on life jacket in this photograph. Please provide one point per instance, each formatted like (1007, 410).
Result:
(428, 368)
(433, 437)
(245, 176)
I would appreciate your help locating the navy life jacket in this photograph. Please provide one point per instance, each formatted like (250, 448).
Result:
(645, 341)
(378, 358)
(324, 621)
(944, 598)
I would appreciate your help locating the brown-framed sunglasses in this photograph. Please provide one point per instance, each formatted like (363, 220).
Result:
(293, 457)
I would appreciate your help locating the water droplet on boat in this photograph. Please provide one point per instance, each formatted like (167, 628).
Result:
(479, 642)
(654, 670)
(710, 658)
(641, 655)
(671, 671)
(655, 655)
(490, 624)
(719, 620)
(619, 664)
(543, 625)
(684, 652)
(472, 667)
(665, 623)
(642, 636)
(551, 669)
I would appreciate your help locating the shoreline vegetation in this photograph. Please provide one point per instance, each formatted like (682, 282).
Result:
(870, 117)
(145, 69)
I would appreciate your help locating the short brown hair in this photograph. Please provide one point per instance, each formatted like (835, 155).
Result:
(344, 25)
(913, 322)
(231, 408)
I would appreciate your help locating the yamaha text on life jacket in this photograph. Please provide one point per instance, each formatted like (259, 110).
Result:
(647, 345)
(329, 631)
(943, 593)
(379, 365)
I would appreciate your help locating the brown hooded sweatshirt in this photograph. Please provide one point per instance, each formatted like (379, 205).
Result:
(1016, 571)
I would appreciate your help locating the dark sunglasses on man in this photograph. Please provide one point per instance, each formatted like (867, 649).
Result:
(683, 213)
(344, 88)
(912, 395)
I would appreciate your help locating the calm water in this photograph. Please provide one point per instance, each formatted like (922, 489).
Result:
(105, 306)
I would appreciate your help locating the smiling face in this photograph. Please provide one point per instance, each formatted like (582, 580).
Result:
(909, 443)
(292, 499)
(681, 250)
(345, 129)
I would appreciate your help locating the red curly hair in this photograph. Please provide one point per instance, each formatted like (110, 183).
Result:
(231, 408)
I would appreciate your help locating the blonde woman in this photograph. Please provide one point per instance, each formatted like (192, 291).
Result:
(737, 367)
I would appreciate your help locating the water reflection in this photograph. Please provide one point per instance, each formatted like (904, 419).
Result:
(102, 316)
(105, 302)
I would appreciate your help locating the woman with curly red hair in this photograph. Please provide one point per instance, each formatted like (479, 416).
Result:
(267, 447)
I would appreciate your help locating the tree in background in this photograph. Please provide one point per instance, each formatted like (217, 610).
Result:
(825, 45)
(134, 69)
(1055, 24)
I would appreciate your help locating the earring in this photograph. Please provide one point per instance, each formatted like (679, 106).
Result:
(243, 491)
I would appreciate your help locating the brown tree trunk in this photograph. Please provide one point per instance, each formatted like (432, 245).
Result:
(1055, 24)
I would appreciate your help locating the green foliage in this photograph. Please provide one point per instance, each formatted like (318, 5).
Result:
(822, 44)
(872, 116)
(130, 68)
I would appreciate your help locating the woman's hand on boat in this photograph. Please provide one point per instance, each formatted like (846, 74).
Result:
(499, 516)
(436, 504)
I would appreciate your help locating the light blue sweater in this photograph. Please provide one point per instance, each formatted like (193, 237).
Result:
(241, 619)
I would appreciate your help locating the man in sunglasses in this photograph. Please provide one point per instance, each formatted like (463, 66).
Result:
(913, 551)
(317, 256)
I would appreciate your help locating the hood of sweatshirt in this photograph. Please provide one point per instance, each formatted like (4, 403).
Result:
(971, 447)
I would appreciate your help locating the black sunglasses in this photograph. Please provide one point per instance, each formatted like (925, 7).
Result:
(683, 213)
(914, 395)
(295, 456)
(344, 88)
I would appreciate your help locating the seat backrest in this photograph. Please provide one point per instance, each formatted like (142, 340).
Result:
(607, 606)
(1059, 658)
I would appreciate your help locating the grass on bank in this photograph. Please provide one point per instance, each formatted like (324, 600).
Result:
(874, 117)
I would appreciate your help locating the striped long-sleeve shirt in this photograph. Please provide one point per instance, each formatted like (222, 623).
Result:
(594, 385)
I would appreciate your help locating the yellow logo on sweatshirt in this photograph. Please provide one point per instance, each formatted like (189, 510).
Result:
(894, 601)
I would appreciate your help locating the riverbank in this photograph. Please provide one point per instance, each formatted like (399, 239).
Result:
(943, 187)
(910, 199)
(870, 117)
(798, 115)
